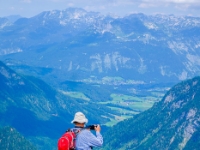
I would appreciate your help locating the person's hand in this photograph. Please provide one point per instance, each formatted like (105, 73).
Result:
(97, 128)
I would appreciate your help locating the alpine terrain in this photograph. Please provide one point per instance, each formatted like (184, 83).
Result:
(172, 123)
(39, 112)
(113, 69)
(77, 45)
(11, 140)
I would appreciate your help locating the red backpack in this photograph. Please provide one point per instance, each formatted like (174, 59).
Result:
(67, 140)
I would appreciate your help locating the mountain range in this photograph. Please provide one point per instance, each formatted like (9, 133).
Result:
(77, 45)
(40, 112)
(172, 123)
(111, 68)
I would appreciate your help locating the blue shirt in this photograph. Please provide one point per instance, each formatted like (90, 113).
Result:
(86, 139)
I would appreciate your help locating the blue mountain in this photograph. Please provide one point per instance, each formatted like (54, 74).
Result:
(77, 45)
(172, 123)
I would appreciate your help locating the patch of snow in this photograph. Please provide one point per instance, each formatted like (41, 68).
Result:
(106, 28)
(150, 25)
(52, 12)
(146, 38)
(10, 51)
(177, 47)
(194, 59)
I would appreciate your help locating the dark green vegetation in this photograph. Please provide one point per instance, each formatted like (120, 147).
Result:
(10, 139)
(125, 100)
(172, 123)
(38, 111)
(41, 114)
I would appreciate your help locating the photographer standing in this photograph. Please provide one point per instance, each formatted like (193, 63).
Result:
(85, 140)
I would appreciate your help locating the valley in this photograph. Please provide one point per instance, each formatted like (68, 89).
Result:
(127, 100)
(135, 73)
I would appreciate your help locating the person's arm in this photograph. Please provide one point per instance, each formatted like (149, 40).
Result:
(96, 141)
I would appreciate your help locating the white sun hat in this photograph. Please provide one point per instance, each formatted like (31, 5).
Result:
(79, 117)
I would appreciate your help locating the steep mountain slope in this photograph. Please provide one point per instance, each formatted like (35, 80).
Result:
(172, 123)
(12, 140)
(74, 44)
(38, 111)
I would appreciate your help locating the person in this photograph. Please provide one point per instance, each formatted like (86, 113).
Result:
(85, 139)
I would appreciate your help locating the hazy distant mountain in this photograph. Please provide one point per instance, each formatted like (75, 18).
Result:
(4, 22)
(74, 44)
(172, 123)
(13, 18)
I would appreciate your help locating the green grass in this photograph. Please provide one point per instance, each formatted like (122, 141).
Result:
(116, 120)
(126, 105)
(141, 106)
(78, 95)
(122, 97)
(137, 104)
(123, 111)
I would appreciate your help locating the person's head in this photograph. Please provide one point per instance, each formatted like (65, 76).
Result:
(79, 119)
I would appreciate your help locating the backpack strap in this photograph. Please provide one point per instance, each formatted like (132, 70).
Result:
(75, 130)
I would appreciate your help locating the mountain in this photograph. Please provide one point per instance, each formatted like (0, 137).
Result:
(76, 45)
(172, 123)
(4, 22)
(12, 140)
(110, 67)
(13, 18)
(41, 113)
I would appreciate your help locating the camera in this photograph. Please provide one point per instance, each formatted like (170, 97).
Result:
(91, 127)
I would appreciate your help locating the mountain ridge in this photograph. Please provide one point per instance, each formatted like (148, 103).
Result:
(41, 113)
(135, 47)
(172, 123)
(11, 139)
